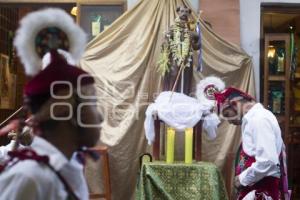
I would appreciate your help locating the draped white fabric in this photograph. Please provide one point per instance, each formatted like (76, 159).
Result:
(179, 111)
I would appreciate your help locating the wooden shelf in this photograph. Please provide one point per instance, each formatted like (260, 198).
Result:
(295, 142)
(294, 125)
(293, 139)
(276, 78)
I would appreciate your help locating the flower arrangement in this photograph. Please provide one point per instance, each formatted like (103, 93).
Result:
(176, 47)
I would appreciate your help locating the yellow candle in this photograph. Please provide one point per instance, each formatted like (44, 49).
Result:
(170, 145)
(188, 145)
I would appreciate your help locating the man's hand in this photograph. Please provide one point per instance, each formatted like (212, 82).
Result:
(237, 182)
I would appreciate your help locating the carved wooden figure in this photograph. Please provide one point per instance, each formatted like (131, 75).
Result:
(176, 57)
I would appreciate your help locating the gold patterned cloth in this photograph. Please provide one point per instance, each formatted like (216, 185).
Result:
(179, 181)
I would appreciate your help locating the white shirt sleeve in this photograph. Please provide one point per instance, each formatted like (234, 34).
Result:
(5, 149)
(19, 187)
(266, 155)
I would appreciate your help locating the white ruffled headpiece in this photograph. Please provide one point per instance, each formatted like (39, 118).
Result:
(211, 81)
(33, 23)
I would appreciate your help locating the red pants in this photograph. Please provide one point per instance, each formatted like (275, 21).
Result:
(268, 185)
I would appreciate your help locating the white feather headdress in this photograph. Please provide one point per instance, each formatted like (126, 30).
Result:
(33, 23)
(206, 87)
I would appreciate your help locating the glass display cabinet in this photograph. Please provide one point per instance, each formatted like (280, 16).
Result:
(96, 16)
(277, 77)
(281, 95)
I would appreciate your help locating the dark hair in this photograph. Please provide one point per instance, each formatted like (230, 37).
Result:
(243, 99)
(230, 106)
(34, 104)
(48, 125)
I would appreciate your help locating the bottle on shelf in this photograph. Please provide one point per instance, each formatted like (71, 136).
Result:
(276, 58)
(276, 98)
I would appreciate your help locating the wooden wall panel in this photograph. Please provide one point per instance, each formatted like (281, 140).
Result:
(9, 17)
(224, 16)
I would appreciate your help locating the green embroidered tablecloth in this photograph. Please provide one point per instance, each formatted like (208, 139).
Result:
(179, 181)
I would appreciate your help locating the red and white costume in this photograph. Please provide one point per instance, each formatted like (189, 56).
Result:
(259, 166)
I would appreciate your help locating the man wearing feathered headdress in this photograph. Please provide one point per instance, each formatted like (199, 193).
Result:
(261, 157)
(60, 100)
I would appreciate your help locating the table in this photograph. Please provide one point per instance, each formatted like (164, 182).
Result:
(179, 181)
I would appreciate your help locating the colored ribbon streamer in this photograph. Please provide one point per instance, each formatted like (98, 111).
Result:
(199, 66)
(293, 56)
